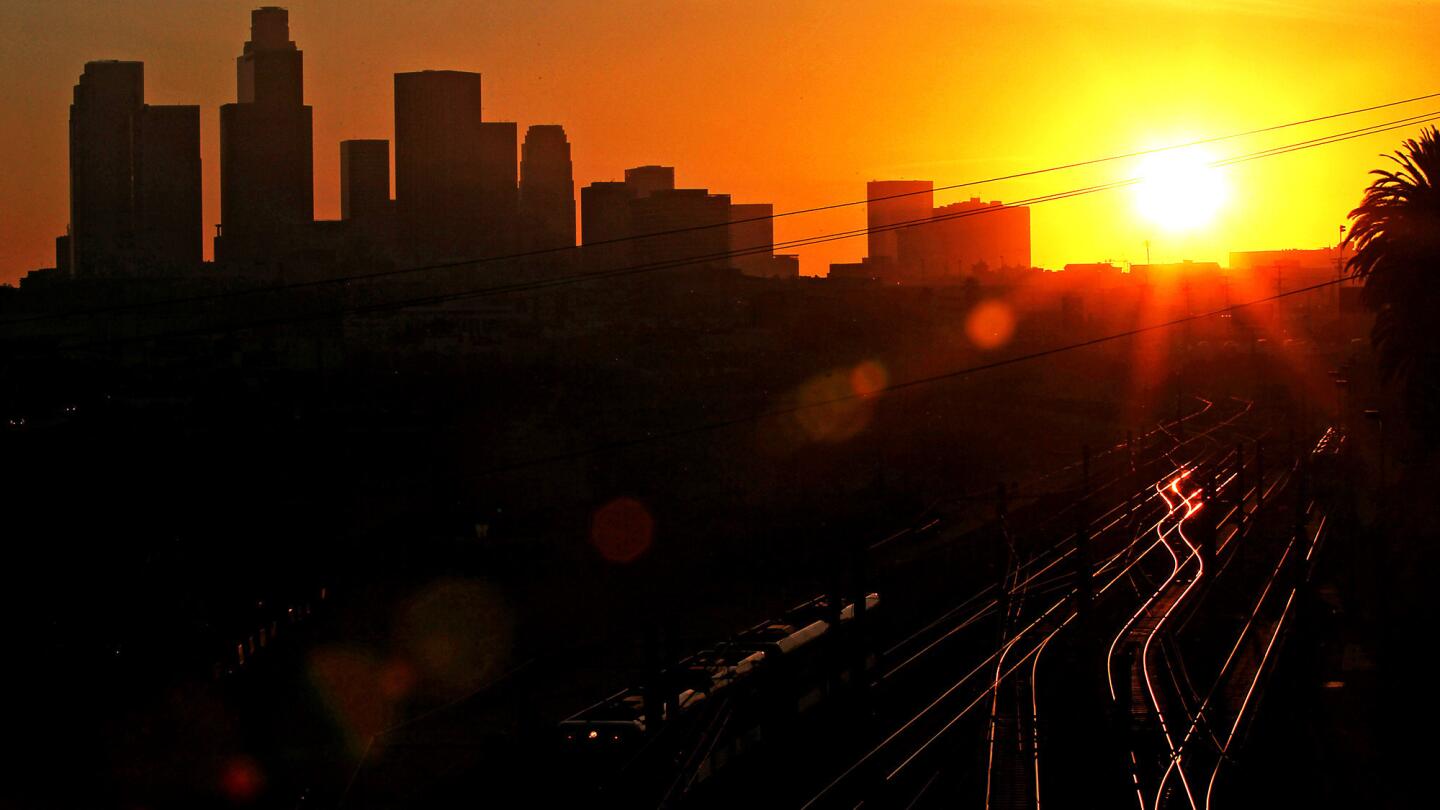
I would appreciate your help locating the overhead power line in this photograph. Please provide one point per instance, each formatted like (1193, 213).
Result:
(542, 284)
(405, 271)
(687, 261)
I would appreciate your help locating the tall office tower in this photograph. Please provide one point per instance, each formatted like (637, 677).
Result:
(171, 230)
(266, 145)
(499, 189)
(63, 256)
(134, 176)
(606, 226)
(962, 236)
(438, 166)
(547, 188)
(693, 223)
(646, 180)
(365, 180)
(890, 202)
(108, 99)
(752, 237)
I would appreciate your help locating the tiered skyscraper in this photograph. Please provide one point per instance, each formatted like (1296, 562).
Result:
(455, 189)
(547, 188)
(460, 192)
(134, 177)
(266, 146)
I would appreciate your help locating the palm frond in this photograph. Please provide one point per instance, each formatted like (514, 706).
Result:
(1395, 237)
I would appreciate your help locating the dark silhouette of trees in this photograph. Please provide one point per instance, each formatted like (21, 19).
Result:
(1396, 236)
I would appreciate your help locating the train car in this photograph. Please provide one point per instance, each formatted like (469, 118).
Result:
(718, 702)
(1327, 464)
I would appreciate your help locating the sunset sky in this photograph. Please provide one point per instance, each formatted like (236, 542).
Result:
(795, 103)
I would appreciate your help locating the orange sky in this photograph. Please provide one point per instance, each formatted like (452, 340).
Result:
(796, 103)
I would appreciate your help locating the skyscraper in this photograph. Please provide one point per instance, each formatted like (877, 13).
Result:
(890, 202)
(438, 164)
(547, 188)
(499, 189)
(752, 238)
(108, 100)
(690, 224)
(962, 236)
(266, 145)
(647, 221)
(364, 180)
(606, 226)
(171, 230)
(134, 176)
(646, 180)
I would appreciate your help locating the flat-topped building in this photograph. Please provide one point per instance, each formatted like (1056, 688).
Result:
(439, 165)
(134, 177)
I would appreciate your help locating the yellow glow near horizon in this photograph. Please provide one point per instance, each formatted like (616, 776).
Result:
(939, 95)
(1180, 191)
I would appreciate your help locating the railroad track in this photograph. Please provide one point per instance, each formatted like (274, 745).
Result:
(900, 769)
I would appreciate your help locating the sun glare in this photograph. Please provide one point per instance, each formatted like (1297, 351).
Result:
(1179, 191)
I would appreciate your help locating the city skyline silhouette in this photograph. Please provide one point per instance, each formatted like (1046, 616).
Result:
(356, 105)
(944, 403)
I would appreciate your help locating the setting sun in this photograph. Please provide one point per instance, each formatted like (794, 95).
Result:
(1180, 191)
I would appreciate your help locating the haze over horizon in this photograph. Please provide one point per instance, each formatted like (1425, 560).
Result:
(798, 104)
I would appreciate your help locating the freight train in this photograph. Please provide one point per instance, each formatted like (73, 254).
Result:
(717, 704)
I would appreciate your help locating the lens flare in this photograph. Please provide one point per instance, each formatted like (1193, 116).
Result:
(829, 411)
(345, 678)
(990, 324)
(397, 679)
(456, 632)
(868, 378)
(622, 530)
(241, 780)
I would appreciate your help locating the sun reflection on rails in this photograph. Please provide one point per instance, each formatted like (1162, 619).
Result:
(1192, 508)
(1263, 493)
(1126, 557)
(1189, 504)
(1182, 500)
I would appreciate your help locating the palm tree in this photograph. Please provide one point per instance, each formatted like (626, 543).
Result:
(1396, 236)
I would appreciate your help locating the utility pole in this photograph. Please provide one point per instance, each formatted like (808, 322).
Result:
(1084, 590)
(1239, 485)
(1279, 291)
(1179, 419)
(1300, 531)
(1004, 602)
(1340, 272)
(1378, 417)
(859, 629)
(1131, 508)
(1207, 527)
(655, 691)
(1002, 502)
(1259, 472)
